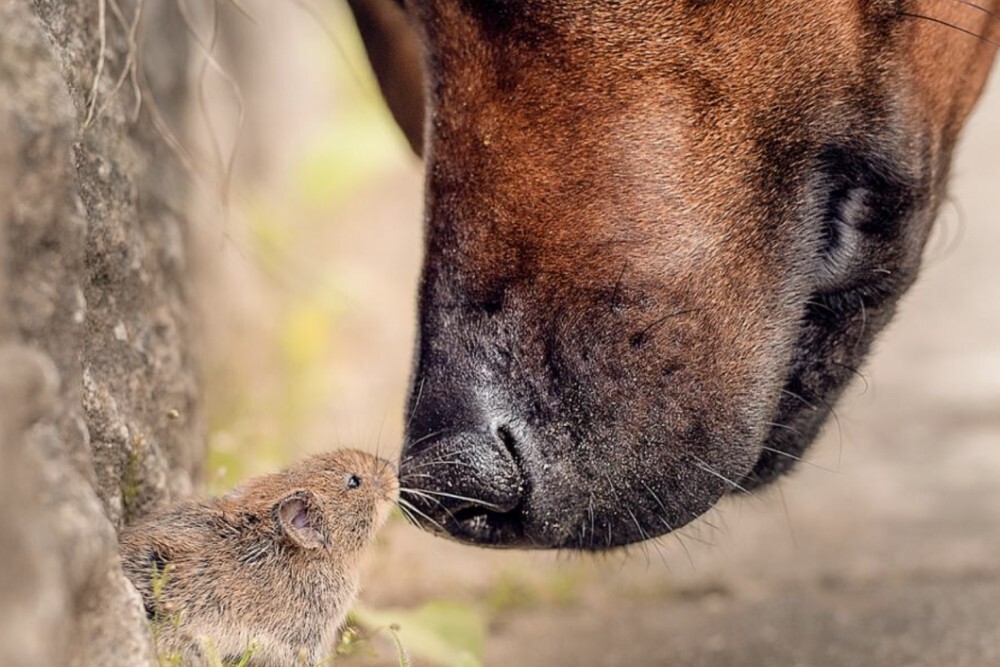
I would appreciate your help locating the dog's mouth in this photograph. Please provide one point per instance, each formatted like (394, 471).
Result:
(600, 472)
(476, 525)
(472, 523)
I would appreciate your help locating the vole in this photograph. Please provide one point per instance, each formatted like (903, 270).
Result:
(272, 566)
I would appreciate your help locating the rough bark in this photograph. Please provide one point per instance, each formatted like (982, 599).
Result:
(99, 417)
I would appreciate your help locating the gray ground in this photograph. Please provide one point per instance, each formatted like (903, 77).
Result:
(885, 551)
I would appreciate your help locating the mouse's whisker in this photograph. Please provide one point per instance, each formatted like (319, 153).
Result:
(384, 465)
(410, 506)
(406, 513)
(456, 464)
(420, 475)
(419, 494)
(442, 494)
(436, 446)
(410, 518)
(411, 509)
(449, 459)
(425, 496)
(424, 438)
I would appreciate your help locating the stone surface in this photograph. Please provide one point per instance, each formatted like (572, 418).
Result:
(99, 417)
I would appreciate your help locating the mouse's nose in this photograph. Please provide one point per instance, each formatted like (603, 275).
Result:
(468, 485)
(386, 479)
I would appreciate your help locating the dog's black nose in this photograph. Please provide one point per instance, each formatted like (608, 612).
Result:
(468, 485)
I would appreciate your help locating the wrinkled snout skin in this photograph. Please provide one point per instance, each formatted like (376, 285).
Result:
(660, 238)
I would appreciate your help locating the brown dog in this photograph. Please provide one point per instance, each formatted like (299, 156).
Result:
(661, 237)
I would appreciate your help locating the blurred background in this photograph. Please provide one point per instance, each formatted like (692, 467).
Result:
(882, 549)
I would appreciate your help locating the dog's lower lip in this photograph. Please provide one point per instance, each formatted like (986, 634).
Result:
(485, 527)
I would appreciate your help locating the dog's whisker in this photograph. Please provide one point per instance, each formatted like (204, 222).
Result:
(958, 28)
(455, 496)
(799, 459)
(707, 468)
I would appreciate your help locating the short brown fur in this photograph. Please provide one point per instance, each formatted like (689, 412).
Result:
(270, 567)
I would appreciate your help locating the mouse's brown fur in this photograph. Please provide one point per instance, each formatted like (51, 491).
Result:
(272, 565)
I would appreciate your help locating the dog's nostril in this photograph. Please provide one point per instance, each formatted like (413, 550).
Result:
(467, 484)
(508, 441)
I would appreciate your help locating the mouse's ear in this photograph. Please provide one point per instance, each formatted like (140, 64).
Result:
(300, 518)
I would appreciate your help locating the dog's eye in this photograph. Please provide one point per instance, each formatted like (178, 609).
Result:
(353, 481)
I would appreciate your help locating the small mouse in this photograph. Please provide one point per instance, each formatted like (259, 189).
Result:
(270, 567)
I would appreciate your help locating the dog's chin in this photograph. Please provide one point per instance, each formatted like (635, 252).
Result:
(556, 513)
(787, 441)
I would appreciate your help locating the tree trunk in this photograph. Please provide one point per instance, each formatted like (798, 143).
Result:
(99, 401)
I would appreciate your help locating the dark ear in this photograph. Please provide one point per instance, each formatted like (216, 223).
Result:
(301, 520)
(396, 56)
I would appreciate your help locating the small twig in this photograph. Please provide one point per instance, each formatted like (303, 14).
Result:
(223, 164)
(131, 58)
(102, 27)
(182, 154)
(136, 88)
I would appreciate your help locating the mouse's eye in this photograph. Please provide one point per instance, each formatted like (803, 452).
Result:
(353, 481)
